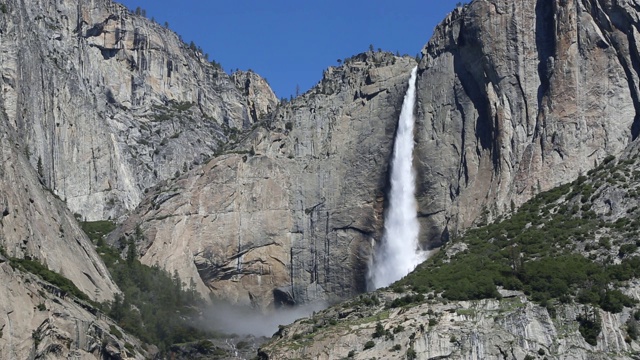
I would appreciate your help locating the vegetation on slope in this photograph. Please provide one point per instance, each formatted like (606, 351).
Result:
(576, 243)
(155, 306)
(538, 249)
(36, 268)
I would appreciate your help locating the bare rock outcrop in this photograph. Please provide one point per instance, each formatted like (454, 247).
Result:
(289, 215)
(529, 95)
(258, 94)
(110, 103)
(38, 321)
(511, 328)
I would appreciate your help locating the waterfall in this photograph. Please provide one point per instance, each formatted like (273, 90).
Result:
(399, 252)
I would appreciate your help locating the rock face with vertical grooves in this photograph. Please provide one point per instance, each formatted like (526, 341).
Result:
(99, 104)
(36, 224)
(260, 99)
(110, 103)
(289, 215)
(513, 98)
(37, 319)
(518, 97)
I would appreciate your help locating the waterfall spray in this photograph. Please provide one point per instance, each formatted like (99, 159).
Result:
(399, 251)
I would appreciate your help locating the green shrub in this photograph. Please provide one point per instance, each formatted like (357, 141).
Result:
(369, 344)
(627, 249)
(206, 346)
(96, 230)
(608, 159)
(379, 332)
(34, 267)
(589, 327)
(532, 251)
(406, 300)
(632, 328)
(115, 332)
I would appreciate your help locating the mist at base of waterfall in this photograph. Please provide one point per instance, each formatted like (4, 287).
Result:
(243, 320)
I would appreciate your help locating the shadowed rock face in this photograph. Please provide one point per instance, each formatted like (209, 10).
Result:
(111, 103)
(289, 216)
(518, 97)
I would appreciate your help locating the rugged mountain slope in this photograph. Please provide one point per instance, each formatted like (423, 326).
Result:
(39, 321)
(511, 328)
(36, 224)
(110, 103)
(289, 215)
(568, 271)
(513, 98)
(529, 95)
(96, 104)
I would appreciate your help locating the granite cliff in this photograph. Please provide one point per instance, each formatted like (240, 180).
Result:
(110, 103)
(107, 115)
(513, 99)
(288, 215)
(556, 279)
(96, 105)
(530, 95)
(38, 319)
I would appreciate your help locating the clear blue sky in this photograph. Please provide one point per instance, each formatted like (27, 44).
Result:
(290, 42)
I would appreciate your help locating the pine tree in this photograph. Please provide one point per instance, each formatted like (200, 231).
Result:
(40, 168)
(131, 252)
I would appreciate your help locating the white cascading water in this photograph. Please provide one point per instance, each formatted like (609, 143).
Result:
(399, 252)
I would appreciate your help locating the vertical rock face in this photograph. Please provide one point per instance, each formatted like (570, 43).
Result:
(260, 99)
(513, 98)
(38, 320)
(110, 103)
(289, 215)
(517, 97)
(35, 224)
